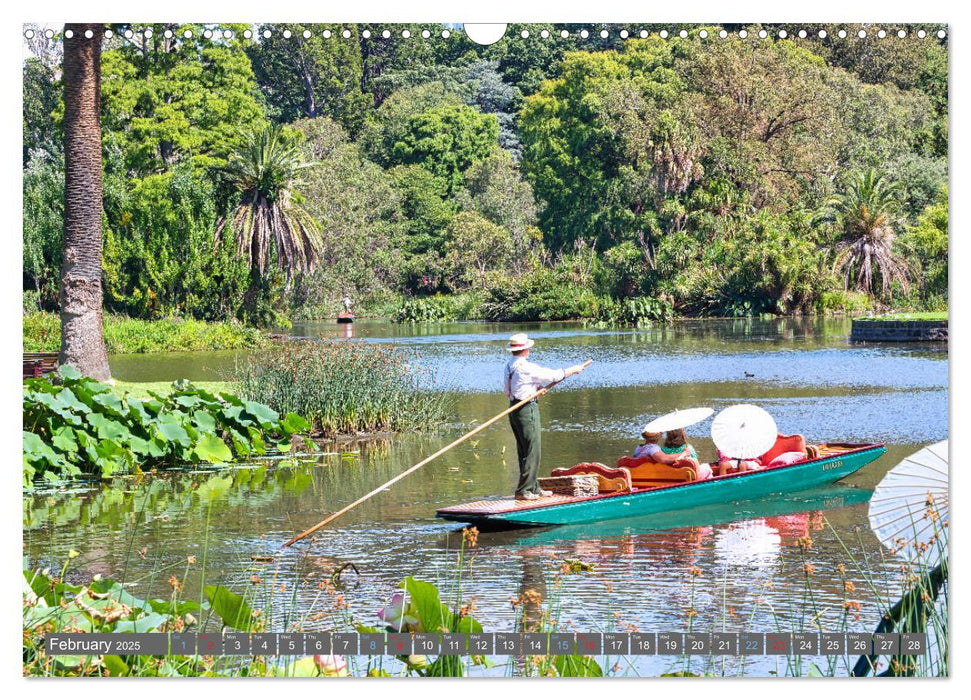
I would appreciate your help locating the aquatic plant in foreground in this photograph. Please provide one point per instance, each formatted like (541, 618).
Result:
(76, 425)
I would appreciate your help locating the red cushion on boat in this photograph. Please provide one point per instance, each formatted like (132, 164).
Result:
(784, 443)
(630, 462)
(787, 458)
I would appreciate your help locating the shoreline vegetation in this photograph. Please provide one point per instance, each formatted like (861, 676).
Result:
(343, 388)
(41, 329)
(76, 427)
(124, 335)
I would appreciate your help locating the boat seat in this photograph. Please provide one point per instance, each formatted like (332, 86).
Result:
(646, 473)
(783, 444)
(610, 480)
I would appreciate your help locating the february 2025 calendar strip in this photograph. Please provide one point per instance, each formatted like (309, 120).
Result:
(491, 644)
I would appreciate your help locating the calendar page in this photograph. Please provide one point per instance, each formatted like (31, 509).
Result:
(485, 350)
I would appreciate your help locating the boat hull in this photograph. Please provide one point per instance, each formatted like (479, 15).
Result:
(739, 487)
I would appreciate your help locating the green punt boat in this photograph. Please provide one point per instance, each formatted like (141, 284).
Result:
(836, 461)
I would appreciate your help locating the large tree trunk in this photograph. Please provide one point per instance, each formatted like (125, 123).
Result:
(82, 319)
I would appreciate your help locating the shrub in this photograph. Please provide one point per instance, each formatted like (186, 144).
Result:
(638, 312)
(541, 296)
(79, 426)
(31, 301)
(843, 301)
(42, 331)
(344, 387)
(460, 307)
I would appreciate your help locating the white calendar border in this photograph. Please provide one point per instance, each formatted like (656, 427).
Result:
(441, 11)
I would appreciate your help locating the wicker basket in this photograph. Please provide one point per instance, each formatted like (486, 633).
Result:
(574, 485)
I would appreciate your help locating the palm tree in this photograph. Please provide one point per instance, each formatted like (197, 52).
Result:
(865, 255)
(266, 169)
(82, 318)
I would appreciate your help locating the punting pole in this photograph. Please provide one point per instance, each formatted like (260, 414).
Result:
(425, 461)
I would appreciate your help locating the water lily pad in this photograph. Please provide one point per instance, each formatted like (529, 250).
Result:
(213, 450)
(231, 608)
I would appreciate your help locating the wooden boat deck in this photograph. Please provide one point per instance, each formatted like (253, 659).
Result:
(505, 504)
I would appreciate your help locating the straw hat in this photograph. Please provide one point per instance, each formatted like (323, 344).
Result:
(520, 342)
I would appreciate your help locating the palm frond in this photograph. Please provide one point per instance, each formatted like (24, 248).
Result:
(266, 170)
(865, 257)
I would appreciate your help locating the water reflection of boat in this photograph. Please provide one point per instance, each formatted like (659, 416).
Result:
(789, 515)
(834, 462)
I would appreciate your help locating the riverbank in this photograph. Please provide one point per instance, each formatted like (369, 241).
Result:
(901, 328)
(123, 335)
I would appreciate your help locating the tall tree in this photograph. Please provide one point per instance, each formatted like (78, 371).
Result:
(266, 171)
(865, 256)
(313, 76)
(168, 101)
(82, 319)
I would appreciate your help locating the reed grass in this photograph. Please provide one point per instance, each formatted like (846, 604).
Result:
(345, 387)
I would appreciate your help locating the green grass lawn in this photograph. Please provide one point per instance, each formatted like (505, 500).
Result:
(139, 390)
(910, 316)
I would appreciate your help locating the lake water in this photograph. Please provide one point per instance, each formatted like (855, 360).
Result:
(735, 567)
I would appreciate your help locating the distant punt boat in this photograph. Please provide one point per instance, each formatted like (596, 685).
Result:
(832, 463)
(345, 318)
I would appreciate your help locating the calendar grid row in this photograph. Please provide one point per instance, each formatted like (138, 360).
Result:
(493, 644)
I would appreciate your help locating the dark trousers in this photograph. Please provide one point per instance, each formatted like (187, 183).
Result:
(526, 427)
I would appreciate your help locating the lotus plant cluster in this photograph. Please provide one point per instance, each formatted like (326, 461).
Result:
(77, 426)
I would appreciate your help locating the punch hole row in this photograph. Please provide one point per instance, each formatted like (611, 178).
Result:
(524, 34)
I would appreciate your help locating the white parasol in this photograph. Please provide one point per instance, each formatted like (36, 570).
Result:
(677, 419)
(909, 508)
(744, 431)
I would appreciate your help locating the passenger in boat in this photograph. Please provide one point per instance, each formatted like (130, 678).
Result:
(521, 380)
(651, 448)
(676, 442)
(682, 456)
(727, 465)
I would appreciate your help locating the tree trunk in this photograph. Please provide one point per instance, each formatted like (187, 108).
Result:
(82, 318)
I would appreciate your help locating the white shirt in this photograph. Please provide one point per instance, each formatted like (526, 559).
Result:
(524, 378)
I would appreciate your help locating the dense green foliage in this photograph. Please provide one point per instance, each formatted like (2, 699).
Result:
(717, 174)
(441, 307)
(344, 387)
(42, 333)
(79, 426)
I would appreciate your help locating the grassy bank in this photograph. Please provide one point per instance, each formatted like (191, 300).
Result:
(910, 316)
(139, 390)
(42, 333)
(565, 303)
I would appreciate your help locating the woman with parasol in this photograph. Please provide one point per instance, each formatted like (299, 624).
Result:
(676, 450)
